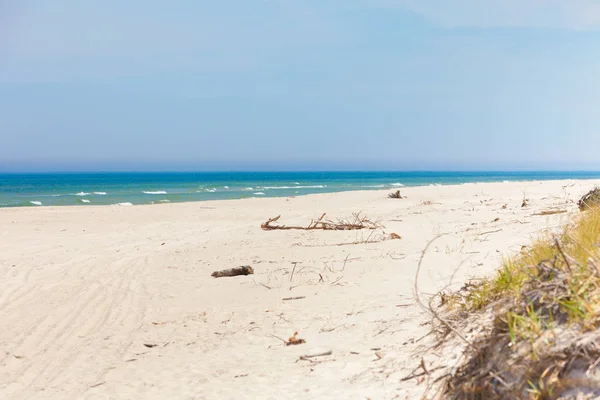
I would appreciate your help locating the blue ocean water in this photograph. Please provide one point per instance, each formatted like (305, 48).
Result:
(88, 189)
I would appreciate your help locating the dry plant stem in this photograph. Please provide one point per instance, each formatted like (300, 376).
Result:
(487, 233)
(557, 242)
(428, 309)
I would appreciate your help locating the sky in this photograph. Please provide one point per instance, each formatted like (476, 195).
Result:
(299, 85)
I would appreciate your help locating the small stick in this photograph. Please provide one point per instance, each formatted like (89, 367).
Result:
(277, 337)
(293, 270)
(485, 233)
(293, 298)
(307, 356)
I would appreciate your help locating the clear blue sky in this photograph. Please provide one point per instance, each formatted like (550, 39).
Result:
(287, 84)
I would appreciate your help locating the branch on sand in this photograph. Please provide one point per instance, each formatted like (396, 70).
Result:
(357, 222)
(551, 212)
(243, 270)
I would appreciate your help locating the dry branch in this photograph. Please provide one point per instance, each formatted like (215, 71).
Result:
(243, 270)
(550, 212)
(357, 222)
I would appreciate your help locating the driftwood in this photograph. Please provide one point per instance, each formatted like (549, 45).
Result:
(243, 270)
(551, 212)
(396, 195)
(358, 222)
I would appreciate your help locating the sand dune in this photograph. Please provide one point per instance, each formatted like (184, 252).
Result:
(119, 303)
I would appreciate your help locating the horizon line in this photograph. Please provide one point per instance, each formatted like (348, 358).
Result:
(304, 171)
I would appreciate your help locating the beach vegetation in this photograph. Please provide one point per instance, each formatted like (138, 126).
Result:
(590, 200)
(544, 339)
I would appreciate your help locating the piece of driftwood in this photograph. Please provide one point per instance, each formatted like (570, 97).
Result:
(551, 212)
(357, 222)
(396, 195)
(243, 270)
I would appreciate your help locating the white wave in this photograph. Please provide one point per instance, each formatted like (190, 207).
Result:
(85, 201)
(435, 184)
(165, 201)
(259, 194)
(225, 187)
(126, 204)
(100, 193)
(294, 187)
(396, 184)
(36, 203)
(211, 190)
(296, 183)
(248, 188)
(157, 192)
(505, 181)
(82, 194)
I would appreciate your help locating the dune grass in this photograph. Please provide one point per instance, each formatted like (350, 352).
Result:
(546, 314)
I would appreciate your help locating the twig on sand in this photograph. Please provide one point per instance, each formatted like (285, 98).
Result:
(293, 270)
(488, 232)
(293, 298)
(307, 357)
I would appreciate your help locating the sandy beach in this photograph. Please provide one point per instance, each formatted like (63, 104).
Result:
(114, 302)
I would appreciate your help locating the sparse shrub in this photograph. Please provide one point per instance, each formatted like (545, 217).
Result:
(590, 199)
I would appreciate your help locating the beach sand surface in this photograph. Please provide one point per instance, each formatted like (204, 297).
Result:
(114, 302)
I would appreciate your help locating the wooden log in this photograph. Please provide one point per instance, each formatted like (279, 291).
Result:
(243, 270)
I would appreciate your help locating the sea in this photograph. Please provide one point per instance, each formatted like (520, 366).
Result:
(133, 188)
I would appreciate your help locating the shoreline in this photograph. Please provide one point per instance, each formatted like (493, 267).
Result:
(386, 190)
(101, 302)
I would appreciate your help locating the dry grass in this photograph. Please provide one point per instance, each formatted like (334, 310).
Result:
(544, 342)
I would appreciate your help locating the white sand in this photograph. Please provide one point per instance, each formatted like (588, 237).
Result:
(83, 289)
